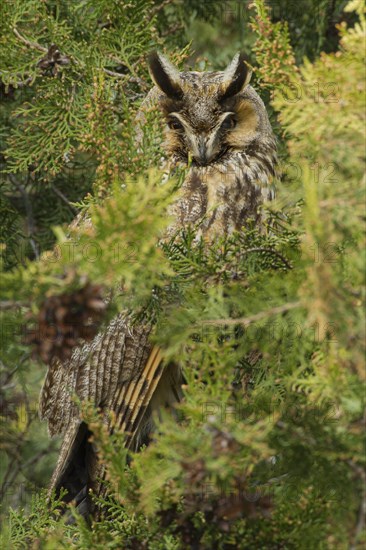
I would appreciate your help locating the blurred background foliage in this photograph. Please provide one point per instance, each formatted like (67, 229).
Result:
(268, 327)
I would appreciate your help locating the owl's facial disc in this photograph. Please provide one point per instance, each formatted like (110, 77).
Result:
(206, 145)
(201, 108)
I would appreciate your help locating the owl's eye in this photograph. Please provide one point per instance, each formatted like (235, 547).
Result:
(229, 123)
(174, 124)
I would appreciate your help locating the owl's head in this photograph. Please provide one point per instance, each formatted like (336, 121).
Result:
(210, 114)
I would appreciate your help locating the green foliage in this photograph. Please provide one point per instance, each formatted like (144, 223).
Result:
(273, 50)
(311, 24)
(105, 248)
(266, 450)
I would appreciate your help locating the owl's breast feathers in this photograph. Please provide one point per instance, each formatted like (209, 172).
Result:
(226, 194)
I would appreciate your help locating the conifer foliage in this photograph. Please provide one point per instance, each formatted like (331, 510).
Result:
(266, 449)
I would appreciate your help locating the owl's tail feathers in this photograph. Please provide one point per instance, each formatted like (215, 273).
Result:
(159, 386)
(73, 467)
(77, 469)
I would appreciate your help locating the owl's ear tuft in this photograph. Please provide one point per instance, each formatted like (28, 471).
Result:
(235, 78)
(165, 75)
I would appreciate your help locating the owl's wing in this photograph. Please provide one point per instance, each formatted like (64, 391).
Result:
(94, 373)
(119, 371)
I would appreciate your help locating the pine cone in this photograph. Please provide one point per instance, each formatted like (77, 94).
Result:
(64, 320)
(50, 63)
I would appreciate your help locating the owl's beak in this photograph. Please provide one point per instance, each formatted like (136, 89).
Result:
(203, 149)
(200, 154)
(202, 157)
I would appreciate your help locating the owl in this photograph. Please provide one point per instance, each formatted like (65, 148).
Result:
(217, 126)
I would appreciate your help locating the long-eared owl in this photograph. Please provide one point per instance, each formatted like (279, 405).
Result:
(218, 126)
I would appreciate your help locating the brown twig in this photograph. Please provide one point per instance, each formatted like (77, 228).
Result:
(11, 304)
(33, 45)
(172, 30)
(64, 199)
(113, 73)
(127, 78)
(21, 83)
(13, 471)
(160, 7)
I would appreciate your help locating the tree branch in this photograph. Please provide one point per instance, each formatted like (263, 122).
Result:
(269, 250)
(160, 7)
(113, 73)
(126, 77)
(246, 321)
(20, 83)
(29, 212)
(64, 199)
(172, 30)
(33, 45)
(11, 304)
